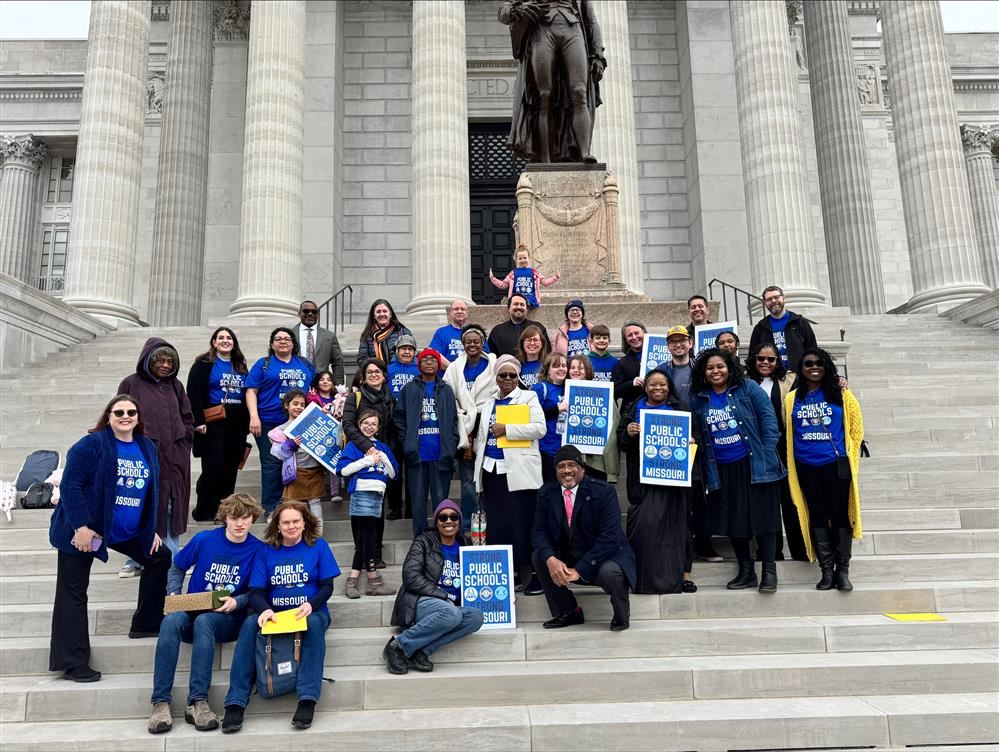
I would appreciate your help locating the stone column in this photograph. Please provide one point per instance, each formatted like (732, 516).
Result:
(270, 247)
(849, 224)
(943, 250)
(984, 198)
(101, 263)
(182, 176)
(773, 165)
(22, 158)
(614, 134)
(441, 224)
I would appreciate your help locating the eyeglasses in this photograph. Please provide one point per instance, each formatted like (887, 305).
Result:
(506, 376)
(309, 311)
(766, 359)
(123, 413)
(813, 363)
(448, 518)
(282, 339)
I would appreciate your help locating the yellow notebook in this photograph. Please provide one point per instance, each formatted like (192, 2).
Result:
(513, 415)
(284, 623)
(916, 617)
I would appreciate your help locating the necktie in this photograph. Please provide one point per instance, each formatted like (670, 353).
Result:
(310, 346)
(567, 493)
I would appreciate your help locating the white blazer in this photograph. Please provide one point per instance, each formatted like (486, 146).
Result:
(523, 465)
(470, 403)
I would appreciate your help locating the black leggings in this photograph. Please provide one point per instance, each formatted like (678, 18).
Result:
(826, 494)
(766, 548)
(365, 531)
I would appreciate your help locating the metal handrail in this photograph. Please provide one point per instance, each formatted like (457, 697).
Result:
(735, 294)
(341, 306)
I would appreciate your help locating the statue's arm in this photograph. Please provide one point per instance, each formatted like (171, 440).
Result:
(594, 37)
(505, 14)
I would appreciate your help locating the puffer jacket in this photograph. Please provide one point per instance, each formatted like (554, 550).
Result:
(421, 573)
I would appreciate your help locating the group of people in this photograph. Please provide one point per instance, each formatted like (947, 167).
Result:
(777, 437)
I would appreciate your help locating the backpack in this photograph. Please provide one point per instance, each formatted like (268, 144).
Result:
(36, 468)
(277, 658)
(38, 496)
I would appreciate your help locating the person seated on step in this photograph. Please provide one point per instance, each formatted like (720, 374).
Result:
(428, 606)
(295, 570)
(577, 538)
(222, 559)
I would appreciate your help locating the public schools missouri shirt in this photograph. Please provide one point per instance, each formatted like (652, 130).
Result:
(274, 381)
(291, 574)
(777, 326)
(219, 564)
(225, 386)
(818, 428)
(602, 366)
(724, 429)
(450, 581)
(429, 435)
(578, 341)
(130, 493)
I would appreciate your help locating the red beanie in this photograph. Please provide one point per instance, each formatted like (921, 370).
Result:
(430, 352)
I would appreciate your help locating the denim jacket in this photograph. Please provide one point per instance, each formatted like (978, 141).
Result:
(757, 425)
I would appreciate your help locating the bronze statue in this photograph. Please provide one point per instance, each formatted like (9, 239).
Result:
(562, 60)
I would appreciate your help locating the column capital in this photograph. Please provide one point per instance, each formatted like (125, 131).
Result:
(231, 22)
(976, 140)
(25, 150)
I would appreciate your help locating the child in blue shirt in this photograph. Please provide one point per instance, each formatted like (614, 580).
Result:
(601, 360)
(402, 369)
(524, 279)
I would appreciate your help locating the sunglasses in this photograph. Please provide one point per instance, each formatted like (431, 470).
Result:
(766, 359)
(813, 363)
(506, 376)
(122, 413)
(309, 311)
(448, 518)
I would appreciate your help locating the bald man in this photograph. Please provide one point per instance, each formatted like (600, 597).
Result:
(447, 339)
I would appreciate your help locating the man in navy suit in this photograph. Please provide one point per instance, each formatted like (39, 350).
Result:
(577, 537)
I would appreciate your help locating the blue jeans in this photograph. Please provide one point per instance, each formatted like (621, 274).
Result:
(438, 622)
(469, 499)
(201, 630)
(423, 478)
(310, 670)
(271, 487)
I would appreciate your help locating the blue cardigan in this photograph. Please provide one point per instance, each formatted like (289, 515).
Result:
(757, 425)
(88, 490)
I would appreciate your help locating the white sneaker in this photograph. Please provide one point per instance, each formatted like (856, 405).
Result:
(130, 569)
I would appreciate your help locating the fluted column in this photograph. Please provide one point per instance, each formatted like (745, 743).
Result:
(271, 241)
(441, 225)
(984, 198)
(943, 250)
(182, 177)
(849, 224)
(101, 263)
(614, 134)
(22, 157)
(773, 165)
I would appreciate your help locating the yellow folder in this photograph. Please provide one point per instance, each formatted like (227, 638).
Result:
(513, 415)
(916, 617)
(285, 622)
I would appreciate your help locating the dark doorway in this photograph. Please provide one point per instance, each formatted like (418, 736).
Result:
(493, 173)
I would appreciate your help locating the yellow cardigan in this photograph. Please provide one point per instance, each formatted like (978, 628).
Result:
(853, 430)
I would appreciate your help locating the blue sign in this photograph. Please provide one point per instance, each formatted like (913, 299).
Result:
(665, 451)
(706, 334)
(655, 352)
(590, 419)
(320, 434)
(487, 584)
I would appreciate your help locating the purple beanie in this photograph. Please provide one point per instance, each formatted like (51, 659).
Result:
(447, 504)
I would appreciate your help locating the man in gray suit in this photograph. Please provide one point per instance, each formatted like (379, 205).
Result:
(317, 345)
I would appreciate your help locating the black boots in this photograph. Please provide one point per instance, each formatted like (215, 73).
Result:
(844, 551)
(746, 577)
(822, 537)
(768, 582)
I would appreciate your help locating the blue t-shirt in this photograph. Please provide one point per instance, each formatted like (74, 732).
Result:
(550, 395)
(450, 581)
(219, 564)
(818, 425)
(723, 426)
(225, 386)
(132, 487)
(523, 284)
(471, 373)
(578, 341)
(274, 381)
(780, 341)
(602, 366)
(291, 574)
(529, 373)
(400, 374)
(492, 449)
(429, 435)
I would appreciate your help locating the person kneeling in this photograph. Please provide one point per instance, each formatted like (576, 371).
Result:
(222, 559)
(429, 602)
(295, 570)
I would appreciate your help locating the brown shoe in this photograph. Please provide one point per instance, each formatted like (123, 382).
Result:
(201, 716)
(160, 720)
(376, 586)
(350, 590)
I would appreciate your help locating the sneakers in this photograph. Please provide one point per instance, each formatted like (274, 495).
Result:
(160, 720)
(82, 675)
(233, 719)
(350, 589)
(395, 659)
(200, 716)
(130, 569)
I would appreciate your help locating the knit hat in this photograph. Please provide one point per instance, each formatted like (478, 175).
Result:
(574, 304)
(405, 340)
(569, 452)
(507, 360)
(429, 352)
(447, 504)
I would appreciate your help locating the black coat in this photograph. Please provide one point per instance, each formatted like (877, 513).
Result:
(503, 337)
(421, 573)
(407, 420)
(596, 535)
(623, 375)
(237, 417)
(382, 403)
(798, 336)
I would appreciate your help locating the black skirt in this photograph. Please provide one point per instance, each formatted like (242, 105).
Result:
(509, 516)
(657, 532)
(739, 508)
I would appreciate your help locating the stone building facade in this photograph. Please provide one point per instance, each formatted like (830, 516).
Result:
(194, 160)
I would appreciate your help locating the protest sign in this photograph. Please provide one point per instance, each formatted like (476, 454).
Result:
(665, 453)
(589, 422)
(320, 434)
(487, 584)
(655, 352)
(705, 335)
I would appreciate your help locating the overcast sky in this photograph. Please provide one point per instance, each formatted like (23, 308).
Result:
(67, 19)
